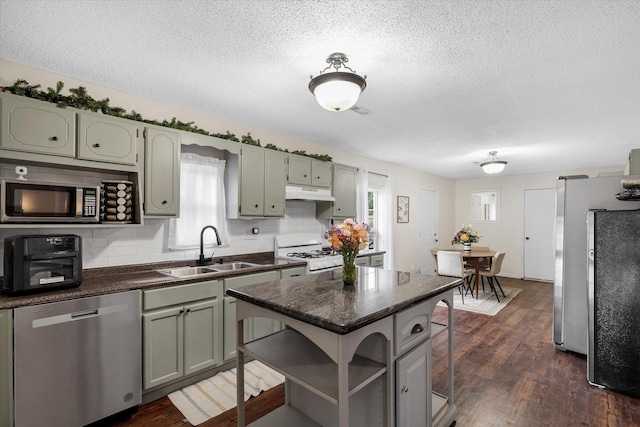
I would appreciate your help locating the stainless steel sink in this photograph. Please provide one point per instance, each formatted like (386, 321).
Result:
(187, 271)
(208, 269)
(233, 266)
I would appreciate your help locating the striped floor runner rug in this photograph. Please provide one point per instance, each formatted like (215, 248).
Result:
(213, 396)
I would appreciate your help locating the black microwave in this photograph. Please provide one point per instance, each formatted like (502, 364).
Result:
(48, 202)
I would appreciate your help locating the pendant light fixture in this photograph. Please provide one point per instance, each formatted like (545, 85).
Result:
(493, 165)
(337, 90)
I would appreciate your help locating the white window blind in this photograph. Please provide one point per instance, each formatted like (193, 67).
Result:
(202, 202)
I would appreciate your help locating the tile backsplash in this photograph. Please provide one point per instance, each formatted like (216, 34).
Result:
(147, 243)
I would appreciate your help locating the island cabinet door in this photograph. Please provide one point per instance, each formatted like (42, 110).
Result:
(202, 335)
(163, 346)
(413, 387)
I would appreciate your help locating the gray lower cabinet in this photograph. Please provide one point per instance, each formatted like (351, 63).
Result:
(412, 391)
(182, 331)
(371, 260)
(107, 139)
(161, 172)
(362, 261)
(6, 367)
(293, 272)
(258, 326)
(36, 126)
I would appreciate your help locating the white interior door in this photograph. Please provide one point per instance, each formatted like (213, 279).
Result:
(428, 226)
(539, 220)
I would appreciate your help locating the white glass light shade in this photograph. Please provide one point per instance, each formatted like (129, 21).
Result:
(336, 95)
(493, 167)
(337, 91)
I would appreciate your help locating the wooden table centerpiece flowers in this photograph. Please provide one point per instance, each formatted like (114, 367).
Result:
(348, 238)
(466, 235)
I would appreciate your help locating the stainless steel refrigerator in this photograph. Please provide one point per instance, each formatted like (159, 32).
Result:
(613, 359)
(575, 196)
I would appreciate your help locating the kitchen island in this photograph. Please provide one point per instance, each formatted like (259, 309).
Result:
(351, 355)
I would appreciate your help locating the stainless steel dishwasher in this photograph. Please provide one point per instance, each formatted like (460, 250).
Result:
(78, 361)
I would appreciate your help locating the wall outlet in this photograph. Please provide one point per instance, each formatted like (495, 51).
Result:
(255, 230)
(249, 234)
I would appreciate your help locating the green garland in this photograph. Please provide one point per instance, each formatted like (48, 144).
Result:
(80, 99)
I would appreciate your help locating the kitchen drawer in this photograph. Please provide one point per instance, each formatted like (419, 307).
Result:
(165, 297)
(250, 279)
(376, 261)
(285, 273)
(411, 327)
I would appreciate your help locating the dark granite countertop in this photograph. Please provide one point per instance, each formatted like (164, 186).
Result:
(100, 281)
(322, 299)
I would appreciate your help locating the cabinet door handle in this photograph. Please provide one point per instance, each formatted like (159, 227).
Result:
(164, 202)
(273, 206)
(305, 175)
(188, 310)
(54, 138)
(256, 206)
(417, 328)
(404, 389)
(96, 145)
(181, 310)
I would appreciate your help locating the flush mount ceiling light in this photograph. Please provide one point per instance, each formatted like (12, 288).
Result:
(337, 90)
(493, 165)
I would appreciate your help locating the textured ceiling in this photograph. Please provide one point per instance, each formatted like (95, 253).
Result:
(550, 85)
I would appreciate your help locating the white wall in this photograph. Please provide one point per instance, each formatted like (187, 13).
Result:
(113, 246)
(508, 233)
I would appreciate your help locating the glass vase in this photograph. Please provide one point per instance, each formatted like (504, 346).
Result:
(349, 266)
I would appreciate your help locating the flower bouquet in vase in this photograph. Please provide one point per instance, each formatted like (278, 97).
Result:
(465, 236)
(348, 238)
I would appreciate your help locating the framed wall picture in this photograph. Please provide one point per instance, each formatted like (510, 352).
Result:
(403, 209)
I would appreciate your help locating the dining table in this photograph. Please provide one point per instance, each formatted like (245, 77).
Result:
(474, 258)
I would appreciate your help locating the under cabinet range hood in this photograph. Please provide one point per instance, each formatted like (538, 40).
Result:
(293, 192)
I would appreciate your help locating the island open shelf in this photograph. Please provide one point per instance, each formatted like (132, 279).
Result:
(308, 365)
(352, 356)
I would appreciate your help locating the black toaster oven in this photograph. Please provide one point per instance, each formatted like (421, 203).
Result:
(42, 262)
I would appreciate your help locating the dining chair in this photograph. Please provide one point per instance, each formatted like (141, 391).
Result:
(492, 274)
(451, 264)
(483, 262)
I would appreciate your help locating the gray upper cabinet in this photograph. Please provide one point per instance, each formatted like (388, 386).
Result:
(107, 139)
(37, 127)
(275, 179)
(320, 173)
(299, 170)
(344, 191)
(307, 171)
(161, 172)
(251, 181)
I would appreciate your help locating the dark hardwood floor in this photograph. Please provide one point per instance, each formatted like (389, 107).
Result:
(507, 373)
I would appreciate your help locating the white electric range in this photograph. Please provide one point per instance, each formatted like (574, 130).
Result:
(309, 247)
